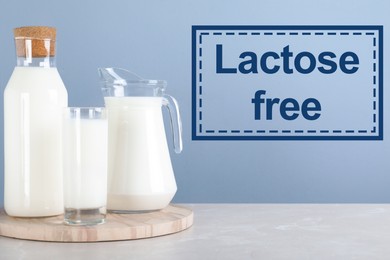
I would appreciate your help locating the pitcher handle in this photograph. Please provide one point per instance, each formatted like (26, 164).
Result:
(173, 109)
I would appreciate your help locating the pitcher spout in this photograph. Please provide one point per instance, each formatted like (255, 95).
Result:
(117, 82)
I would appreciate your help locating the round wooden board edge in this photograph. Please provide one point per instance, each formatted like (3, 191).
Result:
(21, 228)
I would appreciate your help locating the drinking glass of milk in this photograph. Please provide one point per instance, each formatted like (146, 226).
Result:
(85, 165)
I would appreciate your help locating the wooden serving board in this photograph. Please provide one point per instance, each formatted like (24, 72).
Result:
(170, 220)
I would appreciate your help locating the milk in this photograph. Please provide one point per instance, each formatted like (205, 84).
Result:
(33, 102)
(85, 163)
(140, 174)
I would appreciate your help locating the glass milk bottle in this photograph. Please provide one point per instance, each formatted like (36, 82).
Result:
(140, 174)
(33, 101)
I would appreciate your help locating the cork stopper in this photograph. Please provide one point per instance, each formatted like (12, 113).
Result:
(35, 41)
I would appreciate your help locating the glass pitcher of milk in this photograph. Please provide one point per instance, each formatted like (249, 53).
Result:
(140, 174)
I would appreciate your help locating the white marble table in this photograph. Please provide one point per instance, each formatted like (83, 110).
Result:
(243, 231)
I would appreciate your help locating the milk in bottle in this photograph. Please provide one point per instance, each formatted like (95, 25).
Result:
(33, 102)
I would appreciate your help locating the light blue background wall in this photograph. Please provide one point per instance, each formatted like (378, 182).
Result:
(153, 38)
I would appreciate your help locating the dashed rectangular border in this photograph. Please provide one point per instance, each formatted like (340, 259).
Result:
(321, 30)
(347, 131)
